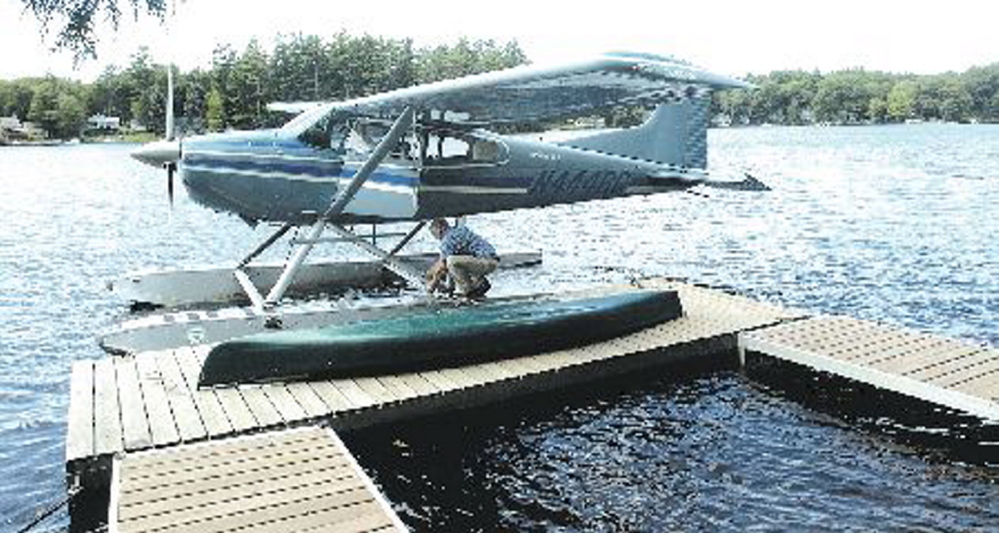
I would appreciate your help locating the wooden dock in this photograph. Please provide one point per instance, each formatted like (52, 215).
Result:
(132, 403)
(121, 407)
(301, 480)
(943, 371)
(125, 408)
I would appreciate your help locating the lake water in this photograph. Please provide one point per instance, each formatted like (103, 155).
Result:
(893, 223)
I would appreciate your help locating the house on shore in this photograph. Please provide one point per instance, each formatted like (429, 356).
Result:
(104, 124)
(12, 129)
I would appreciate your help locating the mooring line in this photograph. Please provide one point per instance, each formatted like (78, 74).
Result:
(72, 492)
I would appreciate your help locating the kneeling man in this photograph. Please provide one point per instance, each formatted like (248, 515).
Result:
(465, 256)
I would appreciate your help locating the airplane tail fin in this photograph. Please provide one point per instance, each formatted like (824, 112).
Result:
(675, 134)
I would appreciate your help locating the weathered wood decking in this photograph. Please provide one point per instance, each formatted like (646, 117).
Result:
(300, 480)
(125, 404)
(149, 405)
(933, 368)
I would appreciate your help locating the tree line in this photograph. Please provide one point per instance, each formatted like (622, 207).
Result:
(234, 91)
(857, 96)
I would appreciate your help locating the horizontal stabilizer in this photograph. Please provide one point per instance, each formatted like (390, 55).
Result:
(749, 183)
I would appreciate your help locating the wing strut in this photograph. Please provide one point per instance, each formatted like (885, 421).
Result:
(389, 141)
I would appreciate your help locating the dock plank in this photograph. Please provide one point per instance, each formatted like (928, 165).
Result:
(154, 497)
(904, 355)
(459, 377)
(497, 371)
(374, 388)
(304, 478)
(257, 513)
(959, 370)
(307, 398)
(354, 394)
(108, 436)
(284, 402)
(331, 396)
(134, 423)
(398, 387)
(369, 521)
(168, 458)
(919, 354)
(166, 426)
(300, 455)
(904, 348)
(536, 363)
(440, 381)
(515, 367)
(418, 383)
(475, 374)
(182, 389)
(872, 346)
(80, 419)
(237, 412)
(259, 404)
(234, 398)
(985, 386)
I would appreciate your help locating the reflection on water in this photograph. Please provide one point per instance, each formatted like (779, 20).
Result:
(886, 223)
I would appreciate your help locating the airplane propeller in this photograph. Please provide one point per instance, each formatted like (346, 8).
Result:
(164, 153)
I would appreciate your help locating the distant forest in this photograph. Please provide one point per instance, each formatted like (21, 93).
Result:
(234, 91)
(861, 97)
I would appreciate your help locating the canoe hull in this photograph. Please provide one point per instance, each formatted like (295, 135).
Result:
(436, 338)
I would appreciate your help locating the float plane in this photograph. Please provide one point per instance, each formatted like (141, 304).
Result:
(434, 150)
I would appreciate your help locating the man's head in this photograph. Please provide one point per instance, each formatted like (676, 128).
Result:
(438, 227)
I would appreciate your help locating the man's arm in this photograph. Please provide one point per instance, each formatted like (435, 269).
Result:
(436, 274)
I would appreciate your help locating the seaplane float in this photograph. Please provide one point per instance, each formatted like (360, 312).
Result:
(406, 157)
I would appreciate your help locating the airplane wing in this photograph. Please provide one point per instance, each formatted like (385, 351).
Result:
(532, 92)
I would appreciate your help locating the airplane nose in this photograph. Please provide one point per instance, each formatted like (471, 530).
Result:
(158, 153)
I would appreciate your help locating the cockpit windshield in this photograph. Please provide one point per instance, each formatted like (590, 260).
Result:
(305, 119)
(325, 134)
(354, 137)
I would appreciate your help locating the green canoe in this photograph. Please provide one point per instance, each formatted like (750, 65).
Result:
(436, 337)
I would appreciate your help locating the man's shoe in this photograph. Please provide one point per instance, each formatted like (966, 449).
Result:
(480, 290)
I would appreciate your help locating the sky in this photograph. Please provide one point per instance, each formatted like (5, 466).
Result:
(729, 37)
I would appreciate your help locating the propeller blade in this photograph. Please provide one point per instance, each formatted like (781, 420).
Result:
(171, 169)
(169, 130)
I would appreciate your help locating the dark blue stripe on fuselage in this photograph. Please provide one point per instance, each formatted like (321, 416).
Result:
(314, 169)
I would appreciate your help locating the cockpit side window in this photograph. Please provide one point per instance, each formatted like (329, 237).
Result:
(363, 136)
(456, 148)
(486, 151)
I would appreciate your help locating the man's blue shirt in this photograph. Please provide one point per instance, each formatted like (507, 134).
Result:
(463, 241)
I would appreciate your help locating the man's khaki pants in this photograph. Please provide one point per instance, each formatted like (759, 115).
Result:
(467, 271)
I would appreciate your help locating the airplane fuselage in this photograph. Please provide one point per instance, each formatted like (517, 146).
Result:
(270, 176)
